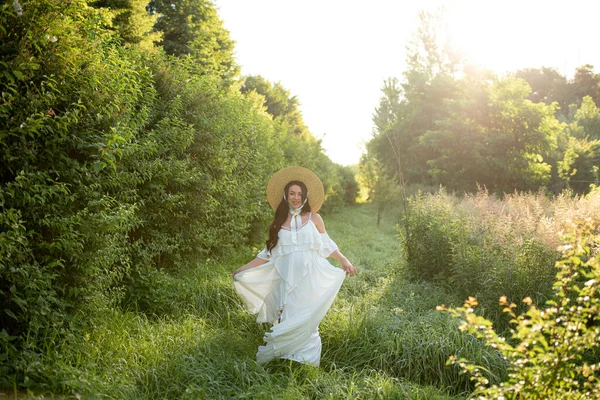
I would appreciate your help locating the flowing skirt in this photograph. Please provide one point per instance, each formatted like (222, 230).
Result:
(293, 291)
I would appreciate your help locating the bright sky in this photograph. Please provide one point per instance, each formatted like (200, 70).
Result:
(335, 54)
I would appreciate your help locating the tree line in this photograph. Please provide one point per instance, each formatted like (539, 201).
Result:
(461, 126)
(129, 143)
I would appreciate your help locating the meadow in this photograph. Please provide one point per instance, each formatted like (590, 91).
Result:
(386, 335)
(382, 338)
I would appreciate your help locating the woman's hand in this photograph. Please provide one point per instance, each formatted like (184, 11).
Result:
(252, 264)
(348, 267)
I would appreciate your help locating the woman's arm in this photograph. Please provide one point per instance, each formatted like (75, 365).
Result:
(252, 264)
(346, 265)
(337, 255)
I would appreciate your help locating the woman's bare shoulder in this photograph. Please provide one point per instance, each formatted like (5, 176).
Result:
(318, 221)
(316, 216)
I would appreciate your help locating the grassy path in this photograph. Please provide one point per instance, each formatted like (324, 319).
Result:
(381, 339)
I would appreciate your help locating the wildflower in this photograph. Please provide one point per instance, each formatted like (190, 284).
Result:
(17, 7)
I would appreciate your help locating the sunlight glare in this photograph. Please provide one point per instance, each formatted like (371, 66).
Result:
(510, 35)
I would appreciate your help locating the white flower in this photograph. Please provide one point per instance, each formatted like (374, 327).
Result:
(18, 8)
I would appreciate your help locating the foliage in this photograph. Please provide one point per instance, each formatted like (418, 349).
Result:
(349, 185)
(578, 167)
(429, 237)
(461, 126)
(72, 99)
(132, 21)
(586, 83)
(193, 203)
(485, 247)
(386, 193)
(552, 351)
(492, 136)
(547, 86)
(410, 108)
(193, 28)
(586, 120)
(278, 101)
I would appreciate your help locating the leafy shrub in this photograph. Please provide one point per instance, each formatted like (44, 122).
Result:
(552, 351)
(198, 170)
(428, 245)
(71, 102)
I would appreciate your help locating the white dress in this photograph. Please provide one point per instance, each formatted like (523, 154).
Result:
(296, 286)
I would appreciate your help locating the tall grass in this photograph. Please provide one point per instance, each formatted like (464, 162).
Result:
(480, 245)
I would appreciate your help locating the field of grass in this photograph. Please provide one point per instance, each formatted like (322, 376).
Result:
(382, 338)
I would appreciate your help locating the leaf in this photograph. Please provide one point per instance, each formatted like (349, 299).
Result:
(20, 76)
(11, 314)
(98, 166)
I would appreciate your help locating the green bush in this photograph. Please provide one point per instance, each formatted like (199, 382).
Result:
(552, 351)
(431, 227)
(198, 170)
(71, 101)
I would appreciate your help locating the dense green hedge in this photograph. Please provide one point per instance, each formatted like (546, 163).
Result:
(114, 163)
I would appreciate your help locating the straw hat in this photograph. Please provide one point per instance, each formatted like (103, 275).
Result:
(276, 186)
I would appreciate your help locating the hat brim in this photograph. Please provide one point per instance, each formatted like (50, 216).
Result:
(276, 186)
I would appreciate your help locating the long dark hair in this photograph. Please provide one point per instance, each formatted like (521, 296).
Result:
(281, 213)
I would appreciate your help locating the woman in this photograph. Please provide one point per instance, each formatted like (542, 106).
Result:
(290, 283)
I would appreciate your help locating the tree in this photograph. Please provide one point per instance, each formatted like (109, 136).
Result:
(367, 175)
(547, 86)
(380, 188)
(580, 164)
(580, 161)
(407, 111)
(193, 28)
(587, 120)
(386, 193)
(132, 21)
(278, 101)
(386, 115)
(493, 136)
(586, 83)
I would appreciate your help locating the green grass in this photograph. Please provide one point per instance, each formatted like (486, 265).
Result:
(382, 338)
